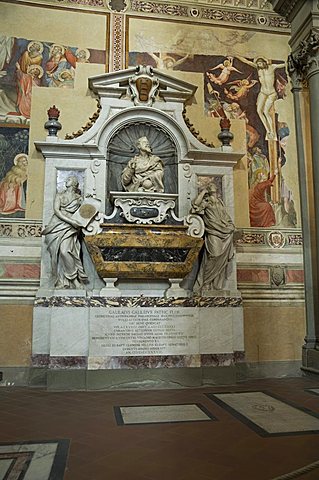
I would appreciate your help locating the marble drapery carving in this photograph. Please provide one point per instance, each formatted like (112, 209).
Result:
(62, 238)
(219, 248)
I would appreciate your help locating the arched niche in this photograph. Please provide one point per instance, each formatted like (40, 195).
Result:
(122, 147)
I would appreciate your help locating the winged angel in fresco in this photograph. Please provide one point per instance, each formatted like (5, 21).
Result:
(239, 88)
(226, 68)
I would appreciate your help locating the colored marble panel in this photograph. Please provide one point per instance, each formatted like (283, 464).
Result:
(294, 276)
(255, 275)
(67, 362)
(141, 301)
(146, 241)
(40, 359)
(19, 270)
(134, 363)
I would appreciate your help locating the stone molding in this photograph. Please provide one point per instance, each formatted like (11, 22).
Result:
(247, 236)
(247, 17)
(255, 13)
(284, 7)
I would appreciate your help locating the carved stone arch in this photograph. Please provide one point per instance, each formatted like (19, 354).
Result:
(141, 114)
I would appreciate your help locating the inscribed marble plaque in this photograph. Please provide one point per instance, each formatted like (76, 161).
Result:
(143, 331)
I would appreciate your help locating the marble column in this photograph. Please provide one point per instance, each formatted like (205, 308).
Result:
(303, 66)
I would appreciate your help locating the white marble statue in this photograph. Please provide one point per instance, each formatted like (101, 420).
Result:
(144, 173)
(62, 238)
(219, 248)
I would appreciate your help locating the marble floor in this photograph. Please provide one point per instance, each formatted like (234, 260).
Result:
(257, 430)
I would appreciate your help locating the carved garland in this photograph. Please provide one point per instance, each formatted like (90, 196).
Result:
(195, 132)
(88, 125)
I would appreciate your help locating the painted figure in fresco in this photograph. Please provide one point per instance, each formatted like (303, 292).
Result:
(31, 56)
(145, 172)
(226, 68)
(239, 88)
(267, 94)
(82, 55)
(219, 232)
(214, 107)
(6, 45)
(260, 210)
(166, 62)
(233, 110)
(62, 238)
(25, 82)
(12, 196)
(56, 64)
(66, 79)
(258, 164)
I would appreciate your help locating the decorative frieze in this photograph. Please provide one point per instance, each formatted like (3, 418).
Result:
(275, 239)
(117, 47)
(247, 15)
(20, 229)
(159, 8)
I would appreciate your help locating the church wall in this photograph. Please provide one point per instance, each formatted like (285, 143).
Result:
(274, 331)
(16, 330)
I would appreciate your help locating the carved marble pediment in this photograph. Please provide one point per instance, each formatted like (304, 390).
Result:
(124, 83)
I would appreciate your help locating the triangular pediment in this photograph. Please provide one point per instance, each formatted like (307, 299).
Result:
(118, 84)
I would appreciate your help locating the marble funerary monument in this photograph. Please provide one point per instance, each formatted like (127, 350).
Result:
(138, 273)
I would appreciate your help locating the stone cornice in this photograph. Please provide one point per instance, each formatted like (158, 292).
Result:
(286, 8)
(257, 14)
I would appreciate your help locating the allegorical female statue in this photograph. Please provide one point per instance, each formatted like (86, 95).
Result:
(144, 173)
(62, 237)
(219, 248)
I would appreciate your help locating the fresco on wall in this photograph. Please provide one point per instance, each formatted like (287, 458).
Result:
(28, 63)
(13, 171)
(239, 87)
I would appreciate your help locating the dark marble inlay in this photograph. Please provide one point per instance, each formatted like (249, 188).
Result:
(221, 359)
(68, 362)
(141, 301)
(239, 356)
(144, 212)
(156, 361)
(217, 359)
(40, 360)
(66, 301)
(139, 254)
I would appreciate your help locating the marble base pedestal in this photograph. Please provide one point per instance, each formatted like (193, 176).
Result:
(76, 336)
(310, 361)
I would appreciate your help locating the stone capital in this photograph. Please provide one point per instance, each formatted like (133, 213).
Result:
(304, 62)
(295, 73)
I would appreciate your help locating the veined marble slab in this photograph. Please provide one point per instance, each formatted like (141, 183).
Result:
(266, 414)
(162, 414)
(33, 460)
